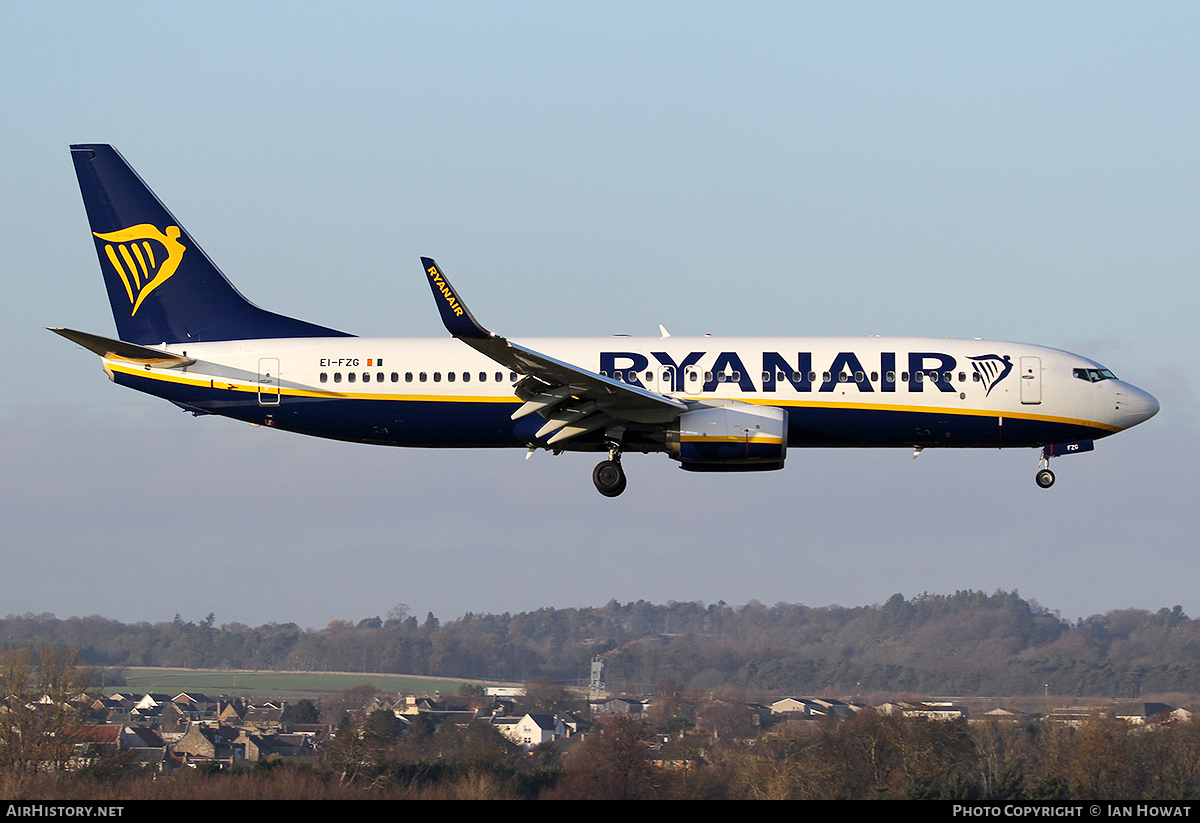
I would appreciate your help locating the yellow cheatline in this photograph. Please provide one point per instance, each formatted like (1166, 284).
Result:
(756, 438)
(188, 380)
(946, 410)
(430, 398)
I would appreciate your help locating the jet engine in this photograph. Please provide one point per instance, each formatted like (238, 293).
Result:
(733, 437)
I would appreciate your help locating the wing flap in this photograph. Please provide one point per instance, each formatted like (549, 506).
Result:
(543, 401)
(567, 417)
(584, 426)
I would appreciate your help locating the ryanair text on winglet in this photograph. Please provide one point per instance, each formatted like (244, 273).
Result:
(445, 290)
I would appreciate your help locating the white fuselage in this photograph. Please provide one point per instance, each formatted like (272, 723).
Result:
(838, 391)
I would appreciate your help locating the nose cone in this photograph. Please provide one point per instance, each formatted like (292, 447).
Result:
(1134, 405)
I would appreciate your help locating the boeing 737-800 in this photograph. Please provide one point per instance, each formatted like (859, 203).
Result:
(185, 334)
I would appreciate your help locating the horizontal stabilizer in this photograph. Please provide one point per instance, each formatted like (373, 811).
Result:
(106, 347)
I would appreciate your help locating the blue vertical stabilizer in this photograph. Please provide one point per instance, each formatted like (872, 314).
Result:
(162, 286)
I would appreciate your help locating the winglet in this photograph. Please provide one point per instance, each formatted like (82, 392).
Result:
(455, 315)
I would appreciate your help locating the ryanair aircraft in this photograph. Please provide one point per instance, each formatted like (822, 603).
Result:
(185, 334)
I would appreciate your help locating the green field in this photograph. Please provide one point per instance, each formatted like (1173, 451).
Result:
(274, 684)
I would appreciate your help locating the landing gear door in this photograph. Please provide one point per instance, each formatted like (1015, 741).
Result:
(268, 381)
(1031, 380)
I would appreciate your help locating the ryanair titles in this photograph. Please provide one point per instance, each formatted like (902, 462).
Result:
(846, 370)
(442, 286)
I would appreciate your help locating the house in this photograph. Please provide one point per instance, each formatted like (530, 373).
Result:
(265, 716)
(230, 711)
(574, 724)
(204, 743)
(1006, 715)
(1077, 715)
(790, 707)
(457, 709)
(147, 746)
(1139, 714)
(152, 700)
(812, 707)
(619, 706)
(531, 730)
(195, 705)
(930, 710)
(92, 742)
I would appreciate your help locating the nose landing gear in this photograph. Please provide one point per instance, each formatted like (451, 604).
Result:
(1045, 477)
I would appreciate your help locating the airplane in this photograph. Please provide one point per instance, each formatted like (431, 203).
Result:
(185, 334)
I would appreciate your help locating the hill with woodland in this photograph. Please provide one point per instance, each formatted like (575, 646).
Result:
(966, 643)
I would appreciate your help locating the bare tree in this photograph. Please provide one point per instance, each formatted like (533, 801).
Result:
(545, 695)
(616, 765)
(41, 711)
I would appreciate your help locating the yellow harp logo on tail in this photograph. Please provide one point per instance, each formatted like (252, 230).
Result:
(144, 257)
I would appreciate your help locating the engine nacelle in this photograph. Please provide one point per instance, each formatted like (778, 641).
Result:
(733, 437)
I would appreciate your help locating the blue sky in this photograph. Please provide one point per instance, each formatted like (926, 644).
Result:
(1013, 171)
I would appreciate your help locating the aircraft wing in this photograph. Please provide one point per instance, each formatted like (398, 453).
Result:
(573, 400)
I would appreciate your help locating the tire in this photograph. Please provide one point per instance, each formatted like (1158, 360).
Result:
(609, 478)
(1045, 478)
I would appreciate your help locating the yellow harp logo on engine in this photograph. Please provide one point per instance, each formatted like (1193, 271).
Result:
(144, 257)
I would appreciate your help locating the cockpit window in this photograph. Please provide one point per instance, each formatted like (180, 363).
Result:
(1094, 375)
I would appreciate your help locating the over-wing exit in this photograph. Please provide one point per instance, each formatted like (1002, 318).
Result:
(712, 404)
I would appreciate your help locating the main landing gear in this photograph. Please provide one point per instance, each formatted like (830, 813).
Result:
(608, 475)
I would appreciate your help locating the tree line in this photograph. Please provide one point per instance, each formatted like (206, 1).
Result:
(969, 642)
